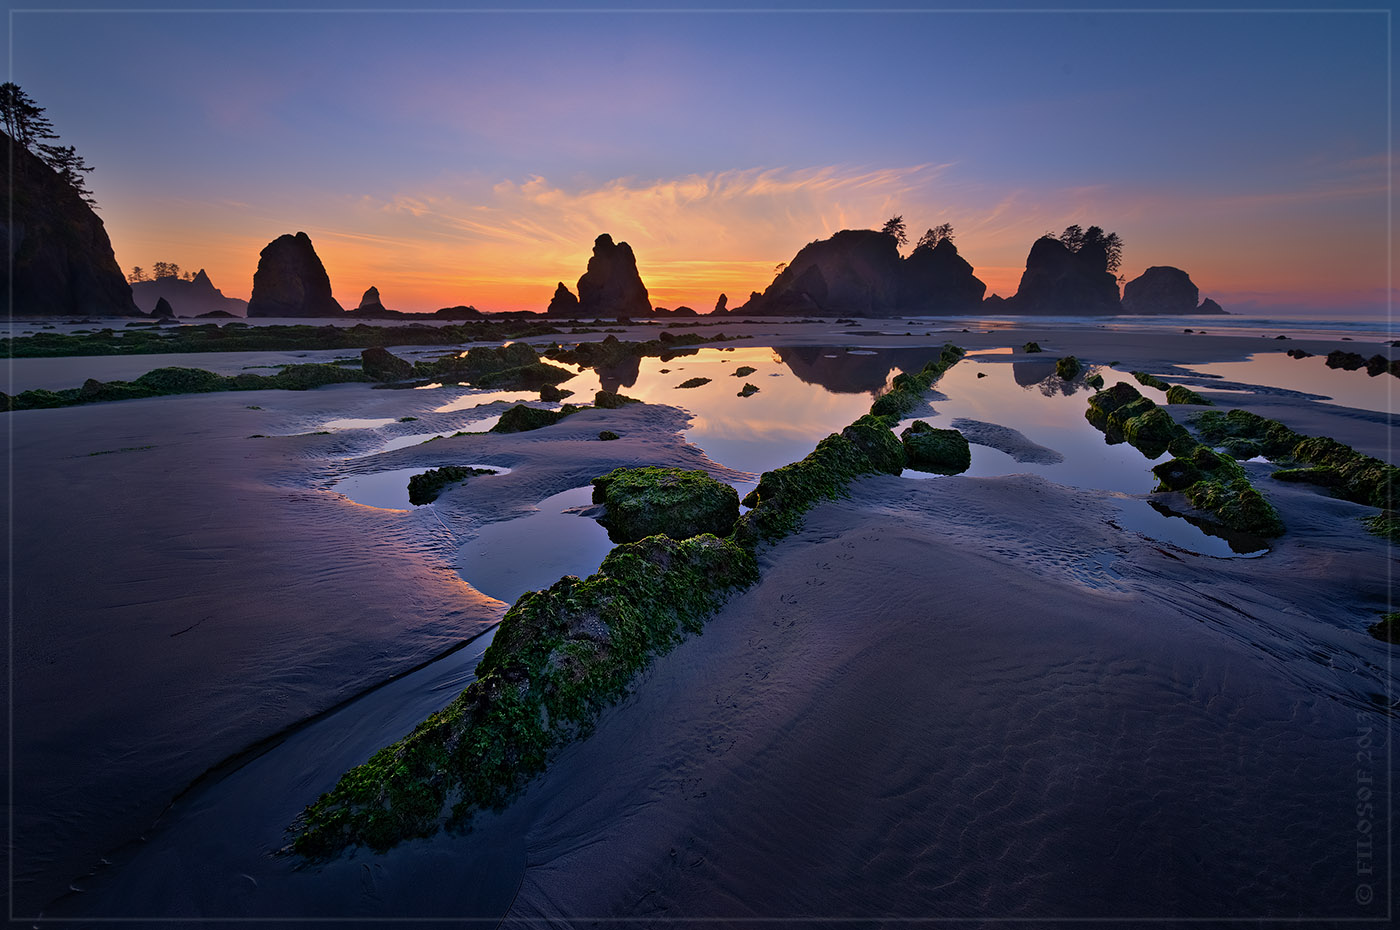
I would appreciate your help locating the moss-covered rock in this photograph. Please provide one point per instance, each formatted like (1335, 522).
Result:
(940, 451)
(743, 371)
(608, 435)
(1218, 485)
(559, 657)
(1385, 524)
(748, 390)
(642, 502)
(551, 394)
(1123, 414)
(382, 365)
(1031, 347)
(1068, 367)
(1242, 449)
(693, 382)
(1094, 380)
(908, 388)
(425, 488)
(522, 418)
(610, 401)
(1387, 629)
(1147, 380)
(1180, 394)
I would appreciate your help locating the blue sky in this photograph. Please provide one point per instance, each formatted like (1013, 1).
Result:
(471, 157)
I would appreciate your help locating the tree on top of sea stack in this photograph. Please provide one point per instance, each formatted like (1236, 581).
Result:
(291, 281)
(1071, 274)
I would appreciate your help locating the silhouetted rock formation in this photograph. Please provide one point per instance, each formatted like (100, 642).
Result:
(1161, 289)
(291, 281)
(189, 298)
(163, 308)
(1062, 282)
(59, 261)
(1210, 306)
(370, 302)
(611, 286)
(860, 272)
(938, 280)
(721, 304)
(563, 303)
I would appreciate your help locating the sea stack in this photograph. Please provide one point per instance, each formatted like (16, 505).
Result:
(1063, 282)
(291, 281)
(196, 297)
(1161, 289)
(612, 287)
(371, 302)
(563, 303)
(60, 261)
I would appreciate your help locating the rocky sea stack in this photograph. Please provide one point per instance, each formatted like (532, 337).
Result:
(60, 261)
(188, 298)
(291, 281)
(611, 287)
(1163, 289)
(860, 272)
(1062, 282)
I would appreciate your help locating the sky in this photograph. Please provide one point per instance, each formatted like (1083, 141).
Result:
(470, 156)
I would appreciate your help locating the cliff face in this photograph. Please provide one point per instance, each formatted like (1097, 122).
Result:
(188, 298)
(860, 272)
(1060, 282)
(611, 286)
(291, 281)
(62, 260)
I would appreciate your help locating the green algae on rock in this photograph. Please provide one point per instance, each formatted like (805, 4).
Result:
(1094, 380)
(608, 435)
(1147, 380)
(642, 502)
(1218, 485)
(907, 390)
(424, 488)
(522, 418)
(939, 451)
(1067, 367)
(1180, 394)
(610, 401)
(1031, 347)
(743, 371)
(1123, 414)
(693, 382)
(162, 382)
(748, 390)
(1387, 629)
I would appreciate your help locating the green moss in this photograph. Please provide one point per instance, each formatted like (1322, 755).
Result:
(940, 451)
(1123, 414)
(645, 501)
(1147, 380)
(1385, 524)
(608, 435)
(1068, 367)
(908, 388)
(1151, 431)
(1094, 380)
(382, 365)
(1387, 629)
(1031, 347)
(693, 382)
(748, 390)
(1242, 448)
(559, 656)
(522, 418)
(743, 371)
(1180, 394)
(425, 488)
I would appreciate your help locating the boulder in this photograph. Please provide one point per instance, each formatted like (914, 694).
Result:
(563, 303)
(1062, 282)
(611, 286)
(937, 280)
(642, 502)
(291, 281)
(57, 259)
(371, 301)
(941, 451)
(163, 309)
(382, 365)
(1161, 289)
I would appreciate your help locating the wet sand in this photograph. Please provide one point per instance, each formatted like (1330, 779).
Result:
(962, 697)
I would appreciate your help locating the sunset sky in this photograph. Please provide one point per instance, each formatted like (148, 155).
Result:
(469, 157)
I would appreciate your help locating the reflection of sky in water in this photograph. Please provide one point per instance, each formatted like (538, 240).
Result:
(388, 490)
(356, 423)
(1277, 370)
(469, 399)
(530, 553)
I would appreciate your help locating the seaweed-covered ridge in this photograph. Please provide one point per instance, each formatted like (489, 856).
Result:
(561, 655)
(163, 382)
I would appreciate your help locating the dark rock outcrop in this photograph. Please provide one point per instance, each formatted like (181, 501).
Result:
(1209, 306)
(382, 365)
(163, 309)
(191, 298)
(371, 303)
(611, 286)
(1058, 281)
(860, 272)
(563, 303)
(58, 259)
(1161, 289)
(642, 502)
(291, 281)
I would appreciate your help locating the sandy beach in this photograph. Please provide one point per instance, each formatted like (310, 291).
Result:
(970, 697)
